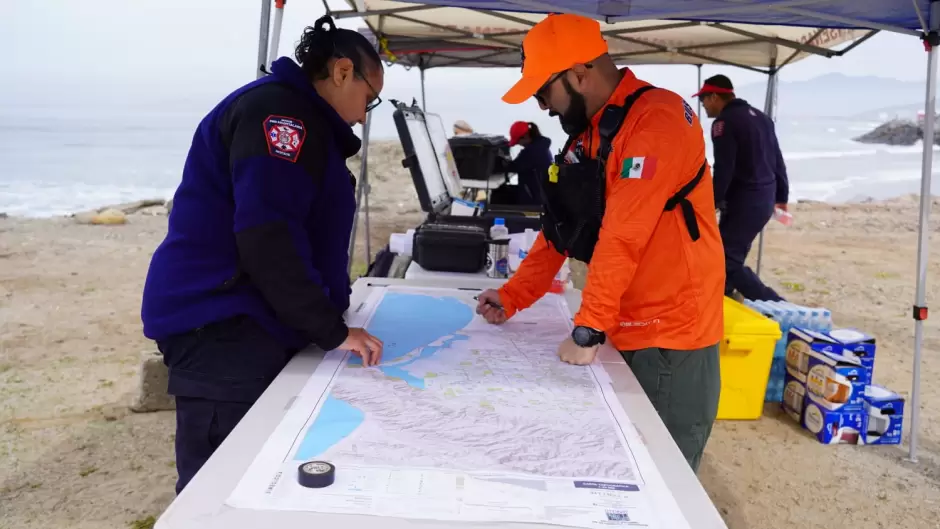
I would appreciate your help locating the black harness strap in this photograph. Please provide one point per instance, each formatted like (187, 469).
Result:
(611, 121)
(681, 199)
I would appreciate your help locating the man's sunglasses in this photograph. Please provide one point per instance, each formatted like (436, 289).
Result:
(543, 91)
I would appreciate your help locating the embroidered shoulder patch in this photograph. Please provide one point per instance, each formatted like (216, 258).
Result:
(285, 137)
(718, 128)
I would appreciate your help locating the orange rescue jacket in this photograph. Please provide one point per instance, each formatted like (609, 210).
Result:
(648, 283)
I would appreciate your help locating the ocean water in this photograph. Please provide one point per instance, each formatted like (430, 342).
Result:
(56, 162)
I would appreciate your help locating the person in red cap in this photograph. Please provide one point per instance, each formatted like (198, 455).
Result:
(532, 163)
(750, 180)
(631, 195)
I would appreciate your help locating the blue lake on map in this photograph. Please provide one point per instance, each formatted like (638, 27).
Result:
(404, 322)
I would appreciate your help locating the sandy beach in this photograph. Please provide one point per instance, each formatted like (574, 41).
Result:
(73, 455)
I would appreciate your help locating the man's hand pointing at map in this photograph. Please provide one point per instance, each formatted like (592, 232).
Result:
(490, 307)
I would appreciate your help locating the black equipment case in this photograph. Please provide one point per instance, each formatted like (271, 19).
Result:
(435, 171)
(478, 156)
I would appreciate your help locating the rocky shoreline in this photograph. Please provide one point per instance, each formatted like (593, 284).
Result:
(896, 132)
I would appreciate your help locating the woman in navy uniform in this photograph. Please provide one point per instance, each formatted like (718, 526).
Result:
(254, 264)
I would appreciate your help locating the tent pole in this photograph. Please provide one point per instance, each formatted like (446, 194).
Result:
(276, 33)
(923, 229)
(697, 87)
(769, 110)
(364, 175)
(424, 104)
(360, 190)
(263, 36)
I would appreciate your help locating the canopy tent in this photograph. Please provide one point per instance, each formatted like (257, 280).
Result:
(771, 25)
(431, 37)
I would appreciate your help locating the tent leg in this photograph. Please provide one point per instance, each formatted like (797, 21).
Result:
(360, 191)
(364, 175)
(263, 35)
(276, 33)
(769, 110)
(424, 104)
(698, 86)
(923, 230)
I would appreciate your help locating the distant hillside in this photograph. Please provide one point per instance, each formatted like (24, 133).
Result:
(841, 96)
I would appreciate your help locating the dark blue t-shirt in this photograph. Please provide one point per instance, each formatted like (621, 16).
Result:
(261, 222)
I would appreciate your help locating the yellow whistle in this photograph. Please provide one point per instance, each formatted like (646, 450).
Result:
(553, 173)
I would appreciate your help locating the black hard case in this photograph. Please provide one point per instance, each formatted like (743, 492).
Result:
(518, 218)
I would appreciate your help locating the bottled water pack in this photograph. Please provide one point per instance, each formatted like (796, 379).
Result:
(788, 315)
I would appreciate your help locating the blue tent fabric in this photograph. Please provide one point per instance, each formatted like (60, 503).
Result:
(849, 14)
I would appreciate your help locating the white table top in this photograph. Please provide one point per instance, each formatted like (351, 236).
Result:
(202, 504)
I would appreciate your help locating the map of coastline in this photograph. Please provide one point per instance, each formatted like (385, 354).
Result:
(453, 394)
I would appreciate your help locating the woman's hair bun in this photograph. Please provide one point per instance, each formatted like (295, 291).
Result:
(325, 24)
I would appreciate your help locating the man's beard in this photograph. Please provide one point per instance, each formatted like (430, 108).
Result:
(575, 120)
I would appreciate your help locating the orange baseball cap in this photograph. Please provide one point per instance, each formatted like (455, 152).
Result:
(554, 45)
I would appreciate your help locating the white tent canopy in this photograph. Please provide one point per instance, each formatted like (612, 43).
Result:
(430, 36)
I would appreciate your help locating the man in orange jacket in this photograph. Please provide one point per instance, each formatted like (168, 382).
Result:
(631, 194)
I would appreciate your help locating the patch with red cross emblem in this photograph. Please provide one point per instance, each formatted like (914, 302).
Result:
(285, 137)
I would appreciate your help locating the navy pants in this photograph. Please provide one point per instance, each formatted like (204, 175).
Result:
(216, 373)
(739, 226)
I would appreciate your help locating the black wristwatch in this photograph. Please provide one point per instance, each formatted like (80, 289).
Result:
(587, 337)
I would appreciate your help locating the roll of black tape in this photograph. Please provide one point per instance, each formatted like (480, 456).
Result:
(316, 474)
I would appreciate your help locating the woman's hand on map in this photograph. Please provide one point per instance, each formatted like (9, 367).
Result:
(570, 353)
(491, 307)
(364, 345)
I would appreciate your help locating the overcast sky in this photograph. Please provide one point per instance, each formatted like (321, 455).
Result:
(73, 53)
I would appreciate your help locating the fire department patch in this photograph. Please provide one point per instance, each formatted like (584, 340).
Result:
(718, 128)
(285, 137)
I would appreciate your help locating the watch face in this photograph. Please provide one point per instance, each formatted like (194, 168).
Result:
(581, 336)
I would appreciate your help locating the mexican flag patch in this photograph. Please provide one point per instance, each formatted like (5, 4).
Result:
(643, 167)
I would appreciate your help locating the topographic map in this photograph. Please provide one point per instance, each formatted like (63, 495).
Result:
(461, 421)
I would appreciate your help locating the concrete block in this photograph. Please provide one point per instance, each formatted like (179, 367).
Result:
(151, 389)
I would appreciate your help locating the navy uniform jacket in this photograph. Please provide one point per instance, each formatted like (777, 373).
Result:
(531, 165)
(261, 222)
(748, 163)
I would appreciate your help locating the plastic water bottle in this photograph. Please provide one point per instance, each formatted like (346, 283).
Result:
(527, 242)
(827, 320)
(497, 258)
(783, 217)
(499, 230)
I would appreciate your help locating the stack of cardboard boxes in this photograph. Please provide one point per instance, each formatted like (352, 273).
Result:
(828, 389)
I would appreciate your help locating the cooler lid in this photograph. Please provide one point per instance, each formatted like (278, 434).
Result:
(740, 319)
(428, 157)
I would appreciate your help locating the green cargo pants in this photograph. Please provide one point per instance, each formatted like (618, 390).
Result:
(684, 387)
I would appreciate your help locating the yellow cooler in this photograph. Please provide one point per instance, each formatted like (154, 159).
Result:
(747, 351)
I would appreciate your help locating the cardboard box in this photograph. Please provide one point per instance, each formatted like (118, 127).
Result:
(833, 426)
(794, 394)
(836, 382)
(883, 415)
(842, 342)
(833, 379)
(858, 344)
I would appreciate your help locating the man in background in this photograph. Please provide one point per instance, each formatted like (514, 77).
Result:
(750, 180)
